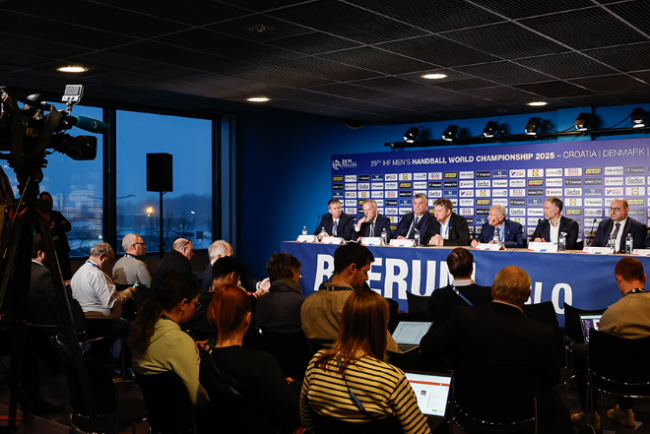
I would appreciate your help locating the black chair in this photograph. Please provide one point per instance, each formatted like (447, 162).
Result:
(493, 399)
(417, 303)
(328, 425)
(114, 413)
(541, 312)
(291, 350)
(168, 404)
(617, 366)
(572, 326)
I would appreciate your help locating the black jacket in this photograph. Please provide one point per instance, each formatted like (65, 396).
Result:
(344, 229)
(636, 228)
(458, 231)
(405, 223)
(543, 230)
(381, 222)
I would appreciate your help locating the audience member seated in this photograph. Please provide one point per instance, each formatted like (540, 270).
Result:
(129, 269)
(498, 335)
(248, 392)
(462, 292)
(367, 389)
(321, 312)
(178, 259)
(217, 250)
(158, 343)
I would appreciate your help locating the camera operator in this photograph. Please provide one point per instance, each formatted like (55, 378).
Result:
(59, 225)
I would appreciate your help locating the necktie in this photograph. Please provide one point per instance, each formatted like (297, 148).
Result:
(618, 227)
(497, 232)
(372, 229)
(334, 231)
(415, 222)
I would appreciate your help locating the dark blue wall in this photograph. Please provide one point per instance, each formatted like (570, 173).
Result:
(284, 166)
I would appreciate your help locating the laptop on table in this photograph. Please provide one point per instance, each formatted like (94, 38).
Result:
(432, 393)
(588, 322)
(408, 334)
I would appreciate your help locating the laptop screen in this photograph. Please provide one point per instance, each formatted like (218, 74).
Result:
(590, 321)
(432, 391)
(410, 333)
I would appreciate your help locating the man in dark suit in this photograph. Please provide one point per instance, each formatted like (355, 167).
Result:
(448, 228)
(498, 334)
(618, 226)
(371, 224)
(509, 232)
(336, 223)
(417, 220)
(549, 230)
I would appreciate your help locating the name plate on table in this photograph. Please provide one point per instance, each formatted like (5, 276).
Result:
(598, 250)
(542, 247)
(641, 252)
(333, 240)
(488, 246)
(307, 239)
(373, 241)
(404, 242)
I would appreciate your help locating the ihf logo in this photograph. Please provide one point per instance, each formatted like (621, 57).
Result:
(336, 165)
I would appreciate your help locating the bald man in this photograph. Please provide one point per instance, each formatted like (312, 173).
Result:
(618, 226)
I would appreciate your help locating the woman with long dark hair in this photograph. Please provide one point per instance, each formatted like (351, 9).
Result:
(247, 390)
(157, 341)
(351, 383)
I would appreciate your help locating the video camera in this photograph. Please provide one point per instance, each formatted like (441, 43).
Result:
(28, 131)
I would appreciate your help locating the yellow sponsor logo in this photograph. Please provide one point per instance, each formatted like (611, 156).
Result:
(337, 178)
(593, 171)
(574, 212)
(405, 185)
(449, 175)
(532, 182)
(482, 201)
(482, 193)
(635, 191)
(635, 201)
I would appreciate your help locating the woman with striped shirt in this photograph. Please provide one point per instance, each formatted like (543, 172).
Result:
(349, 383)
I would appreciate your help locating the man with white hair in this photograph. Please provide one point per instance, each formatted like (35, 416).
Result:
(130, 269)
(217, 250)
(508, 232)
(371, 224)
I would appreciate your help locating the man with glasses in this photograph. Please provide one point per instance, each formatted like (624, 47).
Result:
(130, 269)
(178, 259)
(618, 226)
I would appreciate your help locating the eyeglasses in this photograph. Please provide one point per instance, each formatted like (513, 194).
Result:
(142, 243)
(197, 306)
(186, 243)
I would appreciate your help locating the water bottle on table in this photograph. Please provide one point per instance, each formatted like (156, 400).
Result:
(611, 243)
(416, 236)
(629, 244)
(561, 242)
(384, 236)
(322, 234)
(304, 230)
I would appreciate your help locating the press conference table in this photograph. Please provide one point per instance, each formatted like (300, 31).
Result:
(582, 280)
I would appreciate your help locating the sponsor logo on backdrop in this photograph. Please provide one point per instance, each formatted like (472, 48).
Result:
(608, 201)
(635, 180)
(394, 220)
(361, 203)
(405, 185)
(434, 193)
(450, 184)
(482, 193)
(431, 202)
(553, 192)
(377, 194)
(390, 177)
(360, 211)
(454, 202)
(337, 195)
(569, 182)
(364, 194)
(516, 219)
(364, 186)
(535, 201)
(553, 173)
(517, 183)
(364, 178)
(482, 173)
(391, 211)
(482, 202)
(500, 183)
(634, 202)
(419, 177)
(500, 193)
(405, 202)
(351, 211)
(516, 211)
(483, 183)
(435, 184)
(350, 178)
(535, 192)
(467, 211)
(635, 191)
(631, 170)
(614, 170)
(517, 202)
(390, 194)
(532, 221)
(573, 171)
(450, 193)
(376, 178)
(337, 187)
(573, 192)
(573, 211)
(613, 192)
(466, 175)
(593, 181)
(482, 211)
(535, 173)
(451, 175)
(420, 184)
(405, 176)
(350, 186)
(573, 201)
(470, 221)
(636, 212)
(337, 179)
(535, 182)
(594, 202)
(535, 212)
(403, 211)
(530, 231)
(377, 185)
(593, 171)
(614, 181)
(467, 184)
(336, 165)
(467, 202)
(405, 194)
(517, 173)
(350, 203)
(390, 202)
(500, 201)
(593, 191)
(433, 176)
(554, 182)
(481, 220)
(467, 193)
(391, 186)
(499, 174)
(517, 192)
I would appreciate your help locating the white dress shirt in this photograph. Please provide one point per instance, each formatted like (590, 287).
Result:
(554, 231)
(620, 233)
(95, 292)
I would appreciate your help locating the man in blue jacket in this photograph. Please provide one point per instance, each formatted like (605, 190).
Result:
(507, 231)
(418, 219)
(336, 223)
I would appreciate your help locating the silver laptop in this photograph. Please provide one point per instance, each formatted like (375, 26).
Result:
(588, 322)
(432, 392)
(408, 334)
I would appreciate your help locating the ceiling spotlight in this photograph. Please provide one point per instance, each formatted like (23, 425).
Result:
(533, 126)
(638, 118)
(434, 76)
(258, 28)
(258, 99)
(72, 69)
(491, 129)
(451, 133)
(537, 103)
(412, 135)
(583, 122)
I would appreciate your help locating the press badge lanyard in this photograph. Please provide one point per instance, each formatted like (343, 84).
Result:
(637, 291)
(461, 295)
(93, 264)
(356, 400)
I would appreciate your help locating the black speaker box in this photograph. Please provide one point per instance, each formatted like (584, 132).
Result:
(160, 172)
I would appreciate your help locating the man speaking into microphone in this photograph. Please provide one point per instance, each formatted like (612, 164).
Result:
(549, 230)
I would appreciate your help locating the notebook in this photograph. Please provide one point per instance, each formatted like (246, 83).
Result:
(588, 322)
(408, 334)
(432, 392)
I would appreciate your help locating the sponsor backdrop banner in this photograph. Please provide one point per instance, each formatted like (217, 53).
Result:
(586, 175)
(584, 281)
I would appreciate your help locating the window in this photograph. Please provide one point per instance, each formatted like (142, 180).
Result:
(187, 211)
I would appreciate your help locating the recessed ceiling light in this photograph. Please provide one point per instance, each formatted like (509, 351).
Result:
(537, 103)
(258, 28)
(434, 76)
(258, 99)
(72, 69)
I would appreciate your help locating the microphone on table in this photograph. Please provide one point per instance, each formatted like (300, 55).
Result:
(318, 220)
(591, 234)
